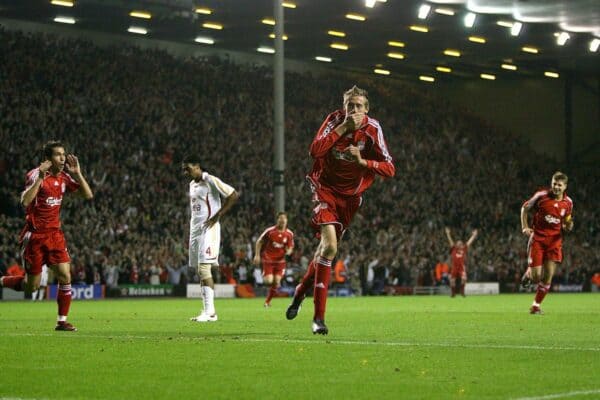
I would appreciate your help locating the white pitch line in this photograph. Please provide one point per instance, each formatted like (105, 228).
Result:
(561, 395)
(315, 342)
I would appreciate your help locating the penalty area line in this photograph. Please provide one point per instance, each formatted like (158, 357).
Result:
(240, 339)
(561, 395)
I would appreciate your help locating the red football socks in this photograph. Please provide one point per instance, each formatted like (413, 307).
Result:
(272, 293)
(323, 277)
(541, 292)
(306, 283)
(63, 299)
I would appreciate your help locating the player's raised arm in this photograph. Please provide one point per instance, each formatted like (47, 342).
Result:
(449, 236)
(330, 131)
(472, 238)
(74, 170)
(34, 181)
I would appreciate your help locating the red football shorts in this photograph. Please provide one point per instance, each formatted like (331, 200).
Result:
(273, 269)
(41, 248)
(542, 249)
(458, 273)
(334, 209)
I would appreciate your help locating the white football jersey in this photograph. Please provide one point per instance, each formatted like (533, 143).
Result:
(205, 199)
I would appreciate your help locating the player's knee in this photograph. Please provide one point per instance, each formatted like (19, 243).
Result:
(204, 271)
(329, 250)
(267, 281)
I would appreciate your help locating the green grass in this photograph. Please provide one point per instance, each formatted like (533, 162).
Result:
(479, 347)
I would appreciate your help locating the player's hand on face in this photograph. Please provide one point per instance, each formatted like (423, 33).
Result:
(45, 166)
(72, 164)
(527, 232)
(354, 121)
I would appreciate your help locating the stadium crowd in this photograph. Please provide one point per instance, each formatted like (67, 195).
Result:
(131, 114)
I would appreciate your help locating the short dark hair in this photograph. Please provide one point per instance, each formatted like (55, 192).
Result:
(49, 147)
(560, 176)
(281, 213)
(191, 159)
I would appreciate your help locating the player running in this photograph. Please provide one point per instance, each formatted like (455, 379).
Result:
(552, 210)
(348, 151)
(272, 246)
(42, 240)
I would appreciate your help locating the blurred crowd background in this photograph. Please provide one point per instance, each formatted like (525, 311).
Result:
(131, 114)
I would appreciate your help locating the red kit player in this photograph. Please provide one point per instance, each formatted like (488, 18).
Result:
(272, 246)
(552, 210)
(458, 253)
(42, 239)
(348, 151)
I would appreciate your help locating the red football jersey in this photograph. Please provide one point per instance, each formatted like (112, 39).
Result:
(459, 257)
(549, 213)
(44, 211)
(331, 166)
(275, 244)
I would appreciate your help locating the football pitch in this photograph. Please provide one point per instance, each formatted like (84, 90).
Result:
(410, 347)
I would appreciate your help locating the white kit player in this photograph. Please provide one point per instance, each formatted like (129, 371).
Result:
(205, 193)
(40, 293)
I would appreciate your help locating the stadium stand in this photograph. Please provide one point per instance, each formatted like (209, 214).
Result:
(130, 114)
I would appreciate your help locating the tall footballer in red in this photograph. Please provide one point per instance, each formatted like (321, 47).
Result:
(272, 246)
(42, 240)
(458, 253)
(552, 210)
(348, 151)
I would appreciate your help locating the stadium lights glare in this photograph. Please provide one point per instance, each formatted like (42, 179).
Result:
(398, 56)
(62, 3)
(516, 29)
(476, 39)
(212, 25)
(452, 53)
(529, 49)
(204, 40)
(288, 4)
(339, 46)
(394, 43)
(419, 28)
(444, 11)
(550, 74)
(469, 20)
(370, 3)
(65, 20)
(137, 29)
(509, 67)
(205, 11)
(443, 69)
(506, 24)
(381, 71)
(562, 38)
(424, 11)
(268, 21)
(356, 17)
(594, 44)
(266, 50)
(272, 36)
(336, 33)
(426, 78)
(140, 14)
(489, 77)
(323, 59)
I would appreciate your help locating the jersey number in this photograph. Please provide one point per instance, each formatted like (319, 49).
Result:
(208, 251)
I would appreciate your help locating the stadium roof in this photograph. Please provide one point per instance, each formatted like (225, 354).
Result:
(310, 26)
